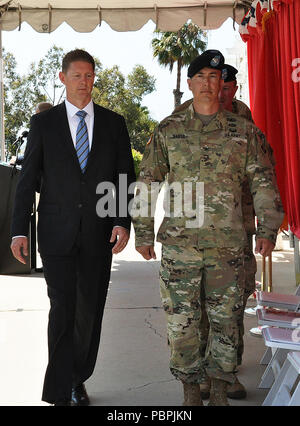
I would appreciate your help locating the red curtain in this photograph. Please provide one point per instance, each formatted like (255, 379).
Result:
(274, 85)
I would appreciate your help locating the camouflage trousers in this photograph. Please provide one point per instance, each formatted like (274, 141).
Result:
(249, 288)
(191, 280)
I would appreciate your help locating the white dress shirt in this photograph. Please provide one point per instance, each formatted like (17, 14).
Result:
(73, 120)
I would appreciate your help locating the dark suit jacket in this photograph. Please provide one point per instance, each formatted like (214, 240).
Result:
(68, 197)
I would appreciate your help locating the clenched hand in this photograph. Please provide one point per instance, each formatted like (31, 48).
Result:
(19, 248)
(264, 247)
(147, 252)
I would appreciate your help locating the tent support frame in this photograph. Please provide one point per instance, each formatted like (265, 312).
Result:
(2, 132)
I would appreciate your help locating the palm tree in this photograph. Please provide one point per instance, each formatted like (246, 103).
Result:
(181, 47)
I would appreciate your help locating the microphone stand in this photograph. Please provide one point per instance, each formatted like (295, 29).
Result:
(33, 250)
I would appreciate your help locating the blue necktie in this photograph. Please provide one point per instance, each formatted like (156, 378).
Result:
(82, 141)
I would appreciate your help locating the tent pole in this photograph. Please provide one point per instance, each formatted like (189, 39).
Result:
(2, 133)
(297, 260)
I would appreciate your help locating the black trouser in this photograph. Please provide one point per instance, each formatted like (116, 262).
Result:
(77, 288)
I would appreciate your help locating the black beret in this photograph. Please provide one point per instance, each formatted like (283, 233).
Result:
(231, 73)
(210, 59)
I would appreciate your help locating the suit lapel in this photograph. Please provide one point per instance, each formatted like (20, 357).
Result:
(98, 140)
(66, 135)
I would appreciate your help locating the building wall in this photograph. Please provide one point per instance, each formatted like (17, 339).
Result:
(237, 57)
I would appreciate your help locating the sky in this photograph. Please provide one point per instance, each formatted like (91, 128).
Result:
(125, 49)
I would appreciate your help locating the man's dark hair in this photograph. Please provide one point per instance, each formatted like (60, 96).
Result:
(43, 106)
(77, 55)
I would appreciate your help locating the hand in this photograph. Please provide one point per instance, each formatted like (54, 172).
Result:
(147, 252)
(264, 247)
(122, 235)
(19, 247)
(12, 161)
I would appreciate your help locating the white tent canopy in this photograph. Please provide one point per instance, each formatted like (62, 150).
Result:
(122, 15)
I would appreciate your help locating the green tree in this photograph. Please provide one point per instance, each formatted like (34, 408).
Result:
(124, 95)
(182, 47)
(19, 102)
(137, 158)
(43, 76)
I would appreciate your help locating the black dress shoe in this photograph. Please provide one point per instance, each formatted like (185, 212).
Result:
(62, 403)
(79, 396)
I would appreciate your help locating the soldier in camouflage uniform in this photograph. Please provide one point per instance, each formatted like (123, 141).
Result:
(205, 262)
(227, 93)
(228, 102)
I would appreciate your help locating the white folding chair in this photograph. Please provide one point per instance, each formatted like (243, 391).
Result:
(286, 388)
(289, 302)
(280, 301)
(281, 341)
(277, 318)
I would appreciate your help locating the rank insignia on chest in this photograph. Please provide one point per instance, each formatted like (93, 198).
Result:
(178, 137)
(232, 134)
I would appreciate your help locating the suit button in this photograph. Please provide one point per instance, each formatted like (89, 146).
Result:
(79, 206)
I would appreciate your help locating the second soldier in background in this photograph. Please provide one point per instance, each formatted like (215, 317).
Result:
(230, 103)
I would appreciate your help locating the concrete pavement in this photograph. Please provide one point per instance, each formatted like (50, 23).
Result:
(132, 366)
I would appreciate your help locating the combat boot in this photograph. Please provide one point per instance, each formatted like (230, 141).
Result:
(205, 388)
(192, 395)
(218, 393)
(236, 390)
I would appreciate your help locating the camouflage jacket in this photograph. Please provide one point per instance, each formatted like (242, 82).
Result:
(241, 109)
(221, 155)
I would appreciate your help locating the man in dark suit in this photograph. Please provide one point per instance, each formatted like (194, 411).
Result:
(76, 146)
